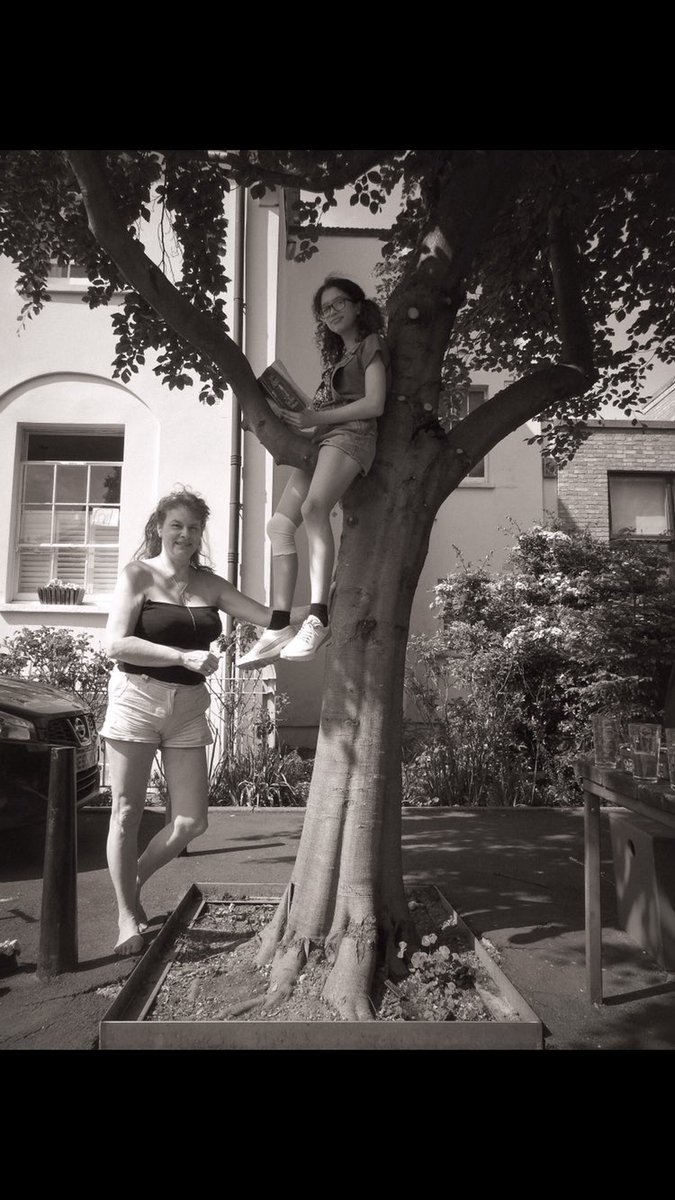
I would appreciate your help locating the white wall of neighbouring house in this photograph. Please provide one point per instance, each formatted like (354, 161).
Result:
(479, 522)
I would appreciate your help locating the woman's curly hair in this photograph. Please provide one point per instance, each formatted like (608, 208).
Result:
(180, 496)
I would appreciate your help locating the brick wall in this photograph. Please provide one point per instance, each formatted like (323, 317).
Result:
(583, 495)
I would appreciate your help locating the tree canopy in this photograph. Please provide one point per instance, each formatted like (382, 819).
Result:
(550, 254)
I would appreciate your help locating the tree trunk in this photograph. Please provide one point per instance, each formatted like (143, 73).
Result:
(346, 892)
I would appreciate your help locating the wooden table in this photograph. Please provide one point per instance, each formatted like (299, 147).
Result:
(655, 800)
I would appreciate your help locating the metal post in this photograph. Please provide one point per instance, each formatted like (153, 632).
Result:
(58, 923)
(592, 896)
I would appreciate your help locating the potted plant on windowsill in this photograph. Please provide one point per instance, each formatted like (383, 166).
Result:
(58, 592)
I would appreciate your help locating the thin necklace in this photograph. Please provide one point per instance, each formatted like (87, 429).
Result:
(183, 593)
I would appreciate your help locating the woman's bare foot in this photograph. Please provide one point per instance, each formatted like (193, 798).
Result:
(130, 940)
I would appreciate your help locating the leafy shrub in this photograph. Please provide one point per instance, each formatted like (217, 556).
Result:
(262, 777)
(246, 766)
(62, 657)
(507, 686)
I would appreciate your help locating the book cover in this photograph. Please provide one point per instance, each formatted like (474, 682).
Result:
(281, 390)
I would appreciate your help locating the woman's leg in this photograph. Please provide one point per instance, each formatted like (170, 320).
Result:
(284, 558)
(187, 781)
(130, 764)
(333, 474)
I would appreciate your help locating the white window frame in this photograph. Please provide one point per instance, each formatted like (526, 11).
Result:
(62, 279)
(88, 546)
(668, 478)
(478, 481)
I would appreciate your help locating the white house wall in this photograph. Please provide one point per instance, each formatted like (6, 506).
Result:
(262, 258)
(58, 373)
(481, 519)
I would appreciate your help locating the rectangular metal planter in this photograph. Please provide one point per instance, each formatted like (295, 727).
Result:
(516, 1026)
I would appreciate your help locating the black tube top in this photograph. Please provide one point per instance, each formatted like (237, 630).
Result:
(177, 625)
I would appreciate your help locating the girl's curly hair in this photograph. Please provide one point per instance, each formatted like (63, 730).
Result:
(369, 319)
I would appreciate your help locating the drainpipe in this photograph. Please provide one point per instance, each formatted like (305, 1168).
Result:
(232, 573)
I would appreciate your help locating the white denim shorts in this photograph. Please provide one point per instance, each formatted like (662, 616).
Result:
(142, 709)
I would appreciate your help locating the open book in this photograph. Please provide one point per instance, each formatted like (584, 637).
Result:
(281, 391)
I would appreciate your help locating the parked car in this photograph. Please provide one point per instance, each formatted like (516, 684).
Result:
(33, 718)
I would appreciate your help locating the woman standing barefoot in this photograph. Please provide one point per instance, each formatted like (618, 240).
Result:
(164, 617)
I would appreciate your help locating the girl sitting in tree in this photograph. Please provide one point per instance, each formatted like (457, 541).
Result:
(343, 421)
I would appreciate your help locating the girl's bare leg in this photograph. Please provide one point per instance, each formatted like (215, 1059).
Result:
(333, 474)
(285, 566)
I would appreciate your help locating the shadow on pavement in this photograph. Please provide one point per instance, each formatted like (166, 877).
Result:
(500, 876)
(250, 845)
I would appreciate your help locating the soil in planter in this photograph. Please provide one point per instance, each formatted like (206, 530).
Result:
(213, 976)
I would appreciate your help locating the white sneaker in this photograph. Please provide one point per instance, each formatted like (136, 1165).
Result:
(311, 635)
(267, 647)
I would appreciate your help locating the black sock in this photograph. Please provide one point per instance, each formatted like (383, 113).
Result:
(320, 611)
(280, 619)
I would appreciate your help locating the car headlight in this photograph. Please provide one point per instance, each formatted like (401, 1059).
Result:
(16, 729)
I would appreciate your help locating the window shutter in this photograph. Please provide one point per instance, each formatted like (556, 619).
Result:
(103, 573)
(35, 569)
(71, 564)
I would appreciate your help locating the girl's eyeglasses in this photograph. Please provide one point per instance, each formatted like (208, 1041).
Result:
(337, 306)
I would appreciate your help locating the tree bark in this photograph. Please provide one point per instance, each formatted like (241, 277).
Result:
(346, 892)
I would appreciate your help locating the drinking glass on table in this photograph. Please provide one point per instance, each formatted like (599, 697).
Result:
(670, 755)
(606, 740)
(645, 742)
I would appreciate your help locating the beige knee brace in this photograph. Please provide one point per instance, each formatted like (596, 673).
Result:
(281, 531)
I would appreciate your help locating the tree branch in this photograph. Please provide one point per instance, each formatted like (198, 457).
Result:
(425, 303)
(551, 384)
(199, 329)
(505, 412)
(575, 335)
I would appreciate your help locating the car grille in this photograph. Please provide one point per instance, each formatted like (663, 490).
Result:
(60, 731)
(88, 783)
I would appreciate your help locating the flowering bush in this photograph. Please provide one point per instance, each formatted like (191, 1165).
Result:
(63, 658)
(506, 688)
